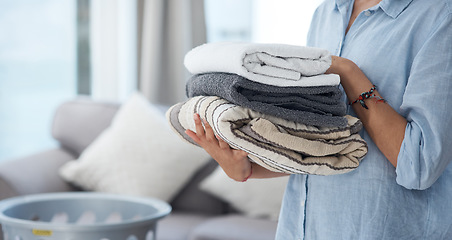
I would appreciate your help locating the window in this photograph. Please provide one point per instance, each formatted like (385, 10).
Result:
(268, 21)
(37, 71)
(113, 46)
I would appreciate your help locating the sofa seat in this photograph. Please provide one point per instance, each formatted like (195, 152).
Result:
(179, 225)
(233, 226)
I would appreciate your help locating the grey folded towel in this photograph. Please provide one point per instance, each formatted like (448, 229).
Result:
(317, 106)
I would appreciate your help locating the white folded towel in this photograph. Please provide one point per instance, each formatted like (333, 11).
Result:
(273, 64)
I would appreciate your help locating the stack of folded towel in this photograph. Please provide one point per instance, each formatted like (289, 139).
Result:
(274, 102)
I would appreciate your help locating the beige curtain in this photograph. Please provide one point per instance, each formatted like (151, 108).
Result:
(170, 28)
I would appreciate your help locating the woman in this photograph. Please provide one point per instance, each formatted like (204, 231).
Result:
(403, 187)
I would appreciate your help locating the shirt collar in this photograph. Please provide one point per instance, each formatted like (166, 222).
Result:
(341, 2)
(392, 8)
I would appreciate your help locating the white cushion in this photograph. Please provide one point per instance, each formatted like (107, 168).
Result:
(254, 198)
(137, 155)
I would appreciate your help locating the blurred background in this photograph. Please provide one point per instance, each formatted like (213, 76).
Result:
(55, 50)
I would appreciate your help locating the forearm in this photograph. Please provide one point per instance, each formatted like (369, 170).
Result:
(261, 172)
(383, 124)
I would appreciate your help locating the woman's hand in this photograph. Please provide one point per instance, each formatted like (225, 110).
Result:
(235, 163)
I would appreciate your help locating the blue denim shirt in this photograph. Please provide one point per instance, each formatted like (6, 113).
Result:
(405, 48)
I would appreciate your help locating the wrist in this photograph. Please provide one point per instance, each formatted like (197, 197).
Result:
(341, 66)
(352, 78)
(249, 175)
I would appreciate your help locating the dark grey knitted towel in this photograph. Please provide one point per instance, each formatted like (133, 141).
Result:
(317, 106)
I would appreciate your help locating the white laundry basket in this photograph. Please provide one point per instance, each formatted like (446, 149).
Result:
(81, 216)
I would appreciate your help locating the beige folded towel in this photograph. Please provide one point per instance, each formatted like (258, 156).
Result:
(275, 143)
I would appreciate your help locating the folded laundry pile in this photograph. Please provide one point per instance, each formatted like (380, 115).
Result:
(274, 102)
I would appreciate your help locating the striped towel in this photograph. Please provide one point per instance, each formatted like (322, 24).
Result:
(273, 64)
(274, 143)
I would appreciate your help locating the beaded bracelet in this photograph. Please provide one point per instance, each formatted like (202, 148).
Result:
(367, 95)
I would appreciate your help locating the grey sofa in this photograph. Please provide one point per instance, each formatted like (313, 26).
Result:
(196, 215)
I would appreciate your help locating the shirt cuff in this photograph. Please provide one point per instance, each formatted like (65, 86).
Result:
(408, 168)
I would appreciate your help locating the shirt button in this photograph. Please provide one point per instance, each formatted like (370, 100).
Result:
(367, 13)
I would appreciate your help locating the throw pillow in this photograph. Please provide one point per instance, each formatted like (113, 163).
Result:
(254, 198)
(137, 155)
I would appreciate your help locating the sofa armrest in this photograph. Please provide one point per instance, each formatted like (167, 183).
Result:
(193, 199)
(34, 174)
(78, 122)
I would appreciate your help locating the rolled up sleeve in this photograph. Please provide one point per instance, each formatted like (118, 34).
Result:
(426, 150)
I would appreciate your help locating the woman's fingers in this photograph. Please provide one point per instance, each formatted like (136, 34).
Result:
(204, 132)
(206, 138)
(193, 136)
(233, 161)
(210, 136)
(199, 128)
